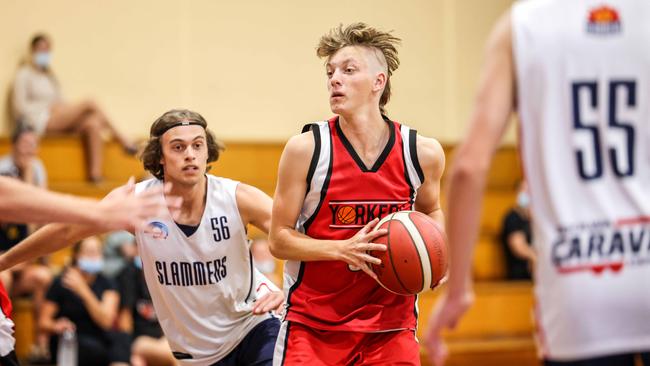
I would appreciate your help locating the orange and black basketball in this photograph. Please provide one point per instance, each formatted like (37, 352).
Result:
(416, 255)
(346, 214)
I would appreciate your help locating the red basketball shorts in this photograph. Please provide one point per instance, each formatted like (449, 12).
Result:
(300, 345)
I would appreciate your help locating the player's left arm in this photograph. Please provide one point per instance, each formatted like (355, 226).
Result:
(432, 161)
(254, 206)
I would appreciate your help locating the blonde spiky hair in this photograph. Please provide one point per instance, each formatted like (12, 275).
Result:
(360, 34)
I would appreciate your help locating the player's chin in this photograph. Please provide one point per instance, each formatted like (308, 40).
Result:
(337, 107)
(189, 179)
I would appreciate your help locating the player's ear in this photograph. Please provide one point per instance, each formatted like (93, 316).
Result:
(380, 81)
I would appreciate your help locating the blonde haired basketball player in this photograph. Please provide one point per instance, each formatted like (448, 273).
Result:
(212, 305)
(578, 73)
(363, 166)
(20, 202)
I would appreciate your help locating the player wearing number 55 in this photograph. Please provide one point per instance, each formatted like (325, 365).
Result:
(579, 79)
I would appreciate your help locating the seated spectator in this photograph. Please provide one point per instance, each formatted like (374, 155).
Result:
(516, 237)
(119, 250)
(28, 278)
(37, 101)
(264, 261)
(84, 301)
(138, 317)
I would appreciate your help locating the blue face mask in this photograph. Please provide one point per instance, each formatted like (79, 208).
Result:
(42, 59)
(90, 266)
(523, 200)
(137, 261)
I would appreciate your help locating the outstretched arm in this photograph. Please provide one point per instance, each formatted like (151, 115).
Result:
(20, 202)
(120, 209)
(489, 119)
(286, 242)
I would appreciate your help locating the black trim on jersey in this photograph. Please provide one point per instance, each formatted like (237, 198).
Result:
(301, 271)
(286, 342)
(250, 289)
(316, 155)
(182, 356)
(413, 138)
(408, 178)
(188, 230)
(382, 157)
(326, 184)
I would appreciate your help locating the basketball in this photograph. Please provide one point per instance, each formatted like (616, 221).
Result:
(416, 255)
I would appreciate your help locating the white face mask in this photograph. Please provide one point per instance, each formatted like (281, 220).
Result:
(523, 200)
(267, 266)
(42, 59)
(90, 265)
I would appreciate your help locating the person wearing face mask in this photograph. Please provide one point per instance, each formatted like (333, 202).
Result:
(82, 300)
(38, 102)
(516, 237)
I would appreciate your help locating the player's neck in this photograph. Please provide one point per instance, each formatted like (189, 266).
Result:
(193, 201)
(366, 130)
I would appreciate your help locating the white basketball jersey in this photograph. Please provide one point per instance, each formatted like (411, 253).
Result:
(583, 81)
(203, 286)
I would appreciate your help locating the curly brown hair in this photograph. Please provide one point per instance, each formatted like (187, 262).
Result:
(153, 151)
(360, 34)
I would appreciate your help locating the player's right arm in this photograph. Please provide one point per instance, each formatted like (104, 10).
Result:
(20, 202)
(285, 241)
(120, 209)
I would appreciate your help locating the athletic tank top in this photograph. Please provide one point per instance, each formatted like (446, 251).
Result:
(203, 286)
(342, 196)
(7, 340)
(583, 73)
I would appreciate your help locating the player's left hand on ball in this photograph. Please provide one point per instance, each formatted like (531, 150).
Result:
(354, 251)
(272, 301)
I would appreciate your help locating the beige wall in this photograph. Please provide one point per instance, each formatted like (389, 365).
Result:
(248, 66)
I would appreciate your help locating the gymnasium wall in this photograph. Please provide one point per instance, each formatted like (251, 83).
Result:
(248, 66)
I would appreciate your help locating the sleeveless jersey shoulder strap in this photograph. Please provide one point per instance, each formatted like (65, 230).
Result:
(319, 172)
(414, 173)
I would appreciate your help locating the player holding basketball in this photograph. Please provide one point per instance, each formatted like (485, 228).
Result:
(578, 74)
(212, 305)
(363, 166)
(20, 202)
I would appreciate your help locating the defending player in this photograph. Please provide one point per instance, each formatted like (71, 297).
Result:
(361, 162)
(211, 304)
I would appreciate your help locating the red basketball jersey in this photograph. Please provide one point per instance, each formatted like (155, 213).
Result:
(5, 303)
(342, 196)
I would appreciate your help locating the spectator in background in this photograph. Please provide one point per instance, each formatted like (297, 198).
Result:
(34, 278)
(119, 250)
(137, 316)
(516, 237)
(84, 301)
(37, 101)
(264, 261)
